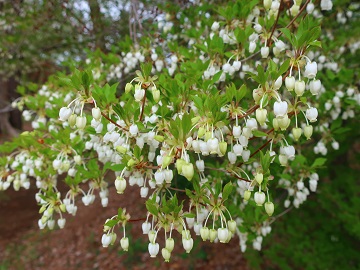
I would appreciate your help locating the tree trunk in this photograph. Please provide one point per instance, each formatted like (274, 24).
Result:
(9, 118)
(98, 24)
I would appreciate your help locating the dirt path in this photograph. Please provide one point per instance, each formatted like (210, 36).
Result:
(78, 246)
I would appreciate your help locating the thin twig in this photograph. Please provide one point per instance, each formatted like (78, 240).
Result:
(275, 24)
(112, 121)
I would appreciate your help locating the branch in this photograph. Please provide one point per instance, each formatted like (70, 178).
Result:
(112, 121)
(275, 23)
(142, 108)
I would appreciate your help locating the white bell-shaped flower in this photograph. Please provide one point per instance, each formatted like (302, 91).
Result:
(280, 108)
(310, 70)
(326, 4)
(146, 226)
(223, 234)
(120, 184)
(139, 93)
(315, 87)
(312, 114)
(264, 52)
(278, 83)
(106, 240)
(259, 198)
(153, 249)
(188, 244)
(236, 131)
(64, 113)
(133, 129)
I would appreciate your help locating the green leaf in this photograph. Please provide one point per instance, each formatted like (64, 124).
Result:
(189, 215)
(318, 163)
(241, 93)
(228, 188)
(151, 207)
(258, 133)
(265, 161)
(111, 223)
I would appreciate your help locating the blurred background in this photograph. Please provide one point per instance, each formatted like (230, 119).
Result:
(39, 38)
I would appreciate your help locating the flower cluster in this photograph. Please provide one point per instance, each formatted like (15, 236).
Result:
(221, 112)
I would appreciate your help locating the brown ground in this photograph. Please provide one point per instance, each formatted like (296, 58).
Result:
(78, 245)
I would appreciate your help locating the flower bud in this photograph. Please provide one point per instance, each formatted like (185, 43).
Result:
(204, 233)
(124, 242)
(269, 208)
(299, 88)
(275, 124)
(259, 178)
(296, 133)
(284, 122)
(131, 162)
(159, 138)
(232, 225)
(212, 235)
(169, 244)
(156, 95)
(121, 149)
(290, 83)
(247, 195)
(77, 159)
(201, 132)
(267, 4)
(222, 148)
(80, 122)
(96, 113)
(179, 165)
(166, 161)
(294, 10)
(120, 185)
(128, 87)
(308, 131)
(283, 160)
(188, 171)
(257, 94)
(261, 114)
(151, 236)
(166, 254)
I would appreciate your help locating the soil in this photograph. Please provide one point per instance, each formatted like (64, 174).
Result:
(78, 246)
